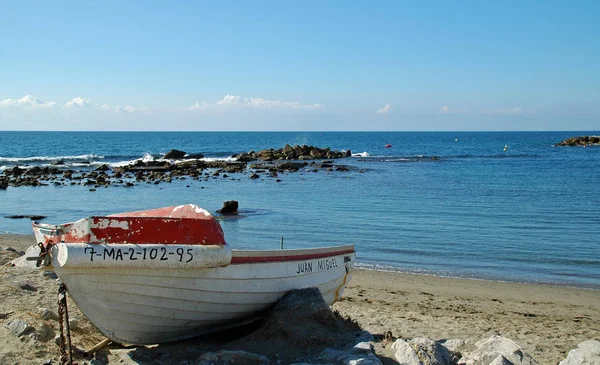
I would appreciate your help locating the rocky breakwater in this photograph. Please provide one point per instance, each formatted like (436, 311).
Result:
(297, 152)
(580, 141)
(179, 165)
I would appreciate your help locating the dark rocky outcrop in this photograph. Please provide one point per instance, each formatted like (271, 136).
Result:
(269, 162)
(298, 152)
(229, 207)
(174, 155)
(32, 217)
(580, 141)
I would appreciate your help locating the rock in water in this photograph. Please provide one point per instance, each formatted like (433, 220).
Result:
(229, 207)
(580, 141)
(586, 353)
(488, 351)
(174, 155)
(27, 216)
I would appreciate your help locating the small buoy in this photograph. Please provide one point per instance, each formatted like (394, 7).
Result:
(505, 147)
(455, 139)
(388, 146)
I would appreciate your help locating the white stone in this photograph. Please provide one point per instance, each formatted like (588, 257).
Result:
(501, 360)
(404, 353)
(586, 353)
(44, 333)
(48, 314)
(19, 327)
(370, 359)
(489, 349)
(420, 351)
(454, 345)
(362, 348)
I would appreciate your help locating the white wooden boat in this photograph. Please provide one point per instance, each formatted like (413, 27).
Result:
(167, 274)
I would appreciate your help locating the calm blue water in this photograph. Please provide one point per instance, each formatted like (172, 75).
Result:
(529, 214)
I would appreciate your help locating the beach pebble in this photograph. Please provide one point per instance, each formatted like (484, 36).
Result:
(586, 353)
(232, 357)
(49, 274)
(48, 314)
(73, 324)
(27, 286)
(44, 333)
(489, 349)
(361, 353)
(19, 327)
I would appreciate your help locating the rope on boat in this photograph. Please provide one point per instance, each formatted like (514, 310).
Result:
(339, 288)
(66, 348)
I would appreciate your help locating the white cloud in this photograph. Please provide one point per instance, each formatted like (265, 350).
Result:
(199, 106)
(80, 102)
(265, 103)
(259, 103)
(131, 109)
(386, 109)
(445, 109)
(515, 110)
(27, 101)
(229, 100)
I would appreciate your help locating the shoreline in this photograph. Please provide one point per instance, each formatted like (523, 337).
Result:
(546, 320)
(392, 271)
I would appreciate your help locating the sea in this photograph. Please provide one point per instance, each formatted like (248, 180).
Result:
(505, 206)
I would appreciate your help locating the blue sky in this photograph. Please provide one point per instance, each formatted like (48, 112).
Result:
(300, 65)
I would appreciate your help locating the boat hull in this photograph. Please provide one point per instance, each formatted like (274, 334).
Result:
(147, 305)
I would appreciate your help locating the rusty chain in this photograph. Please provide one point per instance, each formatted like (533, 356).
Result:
(66, 358)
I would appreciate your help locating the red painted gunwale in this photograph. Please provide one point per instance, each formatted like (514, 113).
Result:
(253, 257)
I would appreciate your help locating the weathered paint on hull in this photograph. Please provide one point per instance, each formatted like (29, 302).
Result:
(147, 305)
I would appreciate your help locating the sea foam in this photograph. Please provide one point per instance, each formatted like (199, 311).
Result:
(49, 158)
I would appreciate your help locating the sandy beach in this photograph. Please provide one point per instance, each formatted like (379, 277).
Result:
(547, 321)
